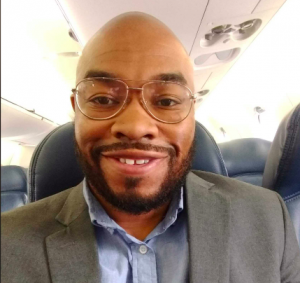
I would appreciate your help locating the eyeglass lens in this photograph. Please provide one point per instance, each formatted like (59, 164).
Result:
(102, 98)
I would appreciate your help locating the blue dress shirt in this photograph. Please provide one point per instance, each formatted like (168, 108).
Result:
(162, 257)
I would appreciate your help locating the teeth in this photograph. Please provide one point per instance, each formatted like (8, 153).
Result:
(132, 161)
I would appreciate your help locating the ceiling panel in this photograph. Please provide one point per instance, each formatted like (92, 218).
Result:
(220, 9)
(183, 17)
(33, 75)
(22, 126)
(268, 4)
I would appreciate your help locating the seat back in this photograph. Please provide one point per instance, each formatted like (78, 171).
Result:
(13, 187)
(282, 170)
(207, 156)
(245, 159)
(54, 167)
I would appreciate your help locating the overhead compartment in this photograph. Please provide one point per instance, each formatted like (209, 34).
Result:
(21, 126)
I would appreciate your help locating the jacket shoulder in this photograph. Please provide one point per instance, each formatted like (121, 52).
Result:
(33, 218)
(259, 223)
(247, 202)
(24, 234)
(233, 188)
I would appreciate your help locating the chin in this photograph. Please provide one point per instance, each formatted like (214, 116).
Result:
(143, 187)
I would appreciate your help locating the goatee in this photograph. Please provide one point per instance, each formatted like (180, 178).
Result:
(131, 202)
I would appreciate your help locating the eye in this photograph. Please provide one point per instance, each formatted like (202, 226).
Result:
(104, 101)
(167, 102)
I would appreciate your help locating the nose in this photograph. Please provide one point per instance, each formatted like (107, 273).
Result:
(134, 123)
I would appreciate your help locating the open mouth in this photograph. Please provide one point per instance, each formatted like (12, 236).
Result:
(133, 161)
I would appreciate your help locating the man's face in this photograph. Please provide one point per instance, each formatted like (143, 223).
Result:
(133, 134)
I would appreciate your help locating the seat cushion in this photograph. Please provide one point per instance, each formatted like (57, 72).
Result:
(13, 187)
(245, 159)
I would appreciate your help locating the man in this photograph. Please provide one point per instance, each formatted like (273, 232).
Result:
(139, 216)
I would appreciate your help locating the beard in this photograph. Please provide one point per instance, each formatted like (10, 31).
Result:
(131, 202)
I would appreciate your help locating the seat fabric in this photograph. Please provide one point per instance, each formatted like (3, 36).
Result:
(13, 187)
(53, 166)
(245, 159)
(282, 170)
(207, 156)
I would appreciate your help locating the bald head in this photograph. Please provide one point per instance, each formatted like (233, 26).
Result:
(132, 37)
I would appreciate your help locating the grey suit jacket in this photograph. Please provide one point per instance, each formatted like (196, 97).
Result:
(237, 233)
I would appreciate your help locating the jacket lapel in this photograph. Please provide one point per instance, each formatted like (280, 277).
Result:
(72, 251)
(208, 222)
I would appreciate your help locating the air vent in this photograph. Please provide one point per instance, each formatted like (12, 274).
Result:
(216, 58)
(226, 32)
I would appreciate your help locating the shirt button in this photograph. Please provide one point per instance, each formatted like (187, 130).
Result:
(143, 249)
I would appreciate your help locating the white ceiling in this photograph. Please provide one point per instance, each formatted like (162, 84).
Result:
(20, 126)
(32, 32)
(265, 75)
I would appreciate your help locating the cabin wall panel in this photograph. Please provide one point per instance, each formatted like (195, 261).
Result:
(22, 156)
(294, 98)
(220, 9)
(200, 79)
(22, 126)
(264, 5)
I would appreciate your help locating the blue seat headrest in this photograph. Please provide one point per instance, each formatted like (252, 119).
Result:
(245, 159)
(13, 178)
(54, 166)
(13, 187)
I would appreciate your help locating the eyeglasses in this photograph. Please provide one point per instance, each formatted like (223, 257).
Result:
(102, 98)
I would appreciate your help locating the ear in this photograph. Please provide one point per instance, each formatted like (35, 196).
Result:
(72, 98)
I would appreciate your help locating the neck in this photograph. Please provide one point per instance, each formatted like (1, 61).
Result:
(138, 226)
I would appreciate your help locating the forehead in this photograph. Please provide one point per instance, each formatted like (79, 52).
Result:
(136, 56)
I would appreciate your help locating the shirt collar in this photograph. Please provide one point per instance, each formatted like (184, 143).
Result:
(99, 217)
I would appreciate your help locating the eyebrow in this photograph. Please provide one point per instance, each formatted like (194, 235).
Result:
(168, 77)
(102, 74)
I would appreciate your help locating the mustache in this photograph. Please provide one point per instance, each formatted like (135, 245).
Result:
(96, 152)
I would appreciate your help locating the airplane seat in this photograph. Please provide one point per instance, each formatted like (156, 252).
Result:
(54, 168)
(282, 170)
(207, 155)
(13, 187)
(245, 159)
